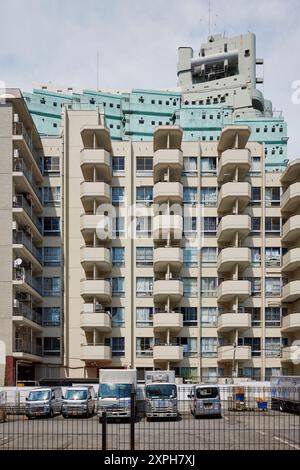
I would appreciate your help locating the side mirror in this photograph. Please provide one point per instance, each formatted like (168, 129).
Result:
(189, 395)
(26, 398)
(62, 397)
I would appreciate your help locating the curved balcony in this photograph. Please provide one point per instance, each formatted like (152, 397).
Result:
(89, 223)
(95, 352)
(230, 161)
(168, 289)
(167, 159)
(292, 172)
(233, 192)
(228, 258)
(95, 255)
(291, 229)
(95, 191)
(95, 320)
(167, 226)
(229, 353)
(291, 292)
(96, 158)
(290, 354)
(234, 321)
(163, 321)
(99, 288)
(168, 352)
(232, 224)
(168, 191)
(234, 136)
(291, 260)
(291, 323)
(165, 256)
(290, 199)
(230, 290)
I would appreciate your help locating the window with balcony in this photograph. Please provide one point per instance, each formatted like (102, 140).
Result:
(190, 288)
(144, 286)
(209, 226)
(255, 196)
(255, 225)
(273, 316)
(273, 286)
(189, 346)
(209, 255)
(190, 165)
(190, 195)
(144, 256)
(190, 257)
(51, 196)
(51, 346)
(209, 316)
(118, 256)
(209, 286)
(189, 316)
(118, 287)
(144, 227)
(272, 197)
(144, 166)
(51, 226)
(51, 255)
(144, 346)
(118, 195)
(118, 227)
(209, 347)
(254, 343)
(208, 196)
(273, 256)
(51, 316)
(117, 316)
(144, 317)
(118, 165)
(273, 226)
(189, 226)
(117, 346)
(208, 166)
(144, 195)
(51, 286)
(256, 256)
(51, 165)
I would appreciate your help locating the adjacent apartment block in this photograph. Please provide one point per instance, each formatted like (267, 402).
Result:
(171, 242)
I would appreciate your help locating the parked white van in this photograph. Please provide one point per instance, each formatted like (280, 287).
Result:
(79, 401)
(44, 401)
(205, 401)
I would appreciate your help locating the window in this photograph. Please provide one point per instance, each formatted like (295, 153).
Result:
(209, 316)
(51, 316)
(144, 317)
(187, 373)
(51, 196)
(189, 226)
(208, 255)
(117, 316)
(190, 257)
(51, 255)
(255, 224)
(118, 195)
(144, 195)
(273, 286)
(273, 316)
(144, 165)
(275, 372)
(209, 286)
(208, 166)
(209, 226)
(144, 347)
(273, 256)
(118, 256)
(190, 287)
(253, 373)
(209, 347)
(51, 286)
(190, 166)
(144, 227)
(255, 196)
(118, 164)
(272, 225)
(144, 256)
(255, 315)
(119, 226)
(51, 226)
(51, 165)
(118, 346)
(254, 343)
(118, 287)
(272, 197)
(256, 256)
(189, 195)
(255, 167)
(208, 197)
(273, 347)
(211, 374)
(189, 346)
(144, 286)
(255, 286)
(51, 346)
(189, 316)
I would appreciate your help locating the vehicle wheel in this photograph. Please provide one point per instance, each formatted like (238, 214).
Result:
(100, 420)
(64, 415)
(29, 417)
(282, 406)
(51, 413)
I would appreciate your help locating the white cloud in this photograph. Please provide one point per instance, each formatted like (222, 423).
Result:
(137, 40)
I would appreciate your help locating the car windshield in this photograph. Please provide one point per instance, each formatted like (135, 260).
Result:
(114, 390)
(161, 391)
(207, 392)
(39, 395)
(76, 394)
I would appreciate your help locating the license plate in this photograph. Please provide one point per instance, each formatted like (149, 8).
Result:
(208, 406)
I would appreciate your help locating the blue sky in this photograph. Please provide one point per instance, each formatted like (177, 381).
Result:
(57, 41)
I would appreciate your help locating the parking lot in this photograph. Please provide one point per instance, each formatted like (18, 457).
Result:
(235, 430)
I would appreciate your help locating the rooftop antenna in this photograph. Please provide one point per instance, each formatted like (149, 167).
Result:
(97, 70)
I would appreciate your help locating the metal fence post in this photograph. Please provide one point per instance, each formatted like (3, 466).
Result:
(104, 430)
(132, 419)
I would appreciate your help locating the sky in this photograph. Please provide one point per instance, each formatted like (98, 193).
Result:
(57, 41)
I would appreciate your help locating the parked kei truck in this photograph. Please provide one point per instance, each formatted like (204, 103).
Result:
(115, 389)
(161, 394)
(285, 393)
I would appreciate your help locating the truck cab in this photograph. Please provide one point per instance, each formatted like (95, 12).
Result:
(161, 394)
(205, 400)
(45, 401)
(79, 401)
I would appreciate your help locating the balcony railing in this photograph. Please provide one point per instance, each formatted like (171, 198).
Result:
(19, 129)
(19, 201)
(26, 311)
(24, 346)
(21, 274)
(22, 238)
(20, 166)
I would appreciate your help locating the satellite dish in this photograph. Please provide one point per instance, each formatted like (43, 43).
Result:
(18, 262)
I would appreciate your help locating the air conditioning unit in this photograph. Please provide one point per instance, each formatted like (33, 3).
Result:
(16, 303)
(14, 225)
(16, 153)
(16, 117)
